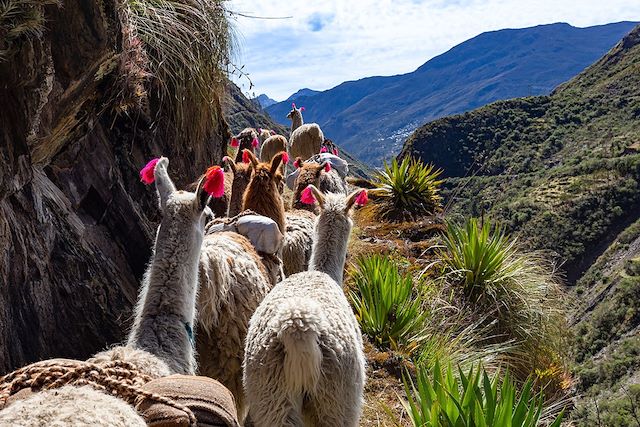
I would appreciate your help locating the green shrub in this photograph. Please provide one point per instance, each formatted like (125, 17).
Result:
(474, 399)
(407, 190)
(387, 307)
(512, 289)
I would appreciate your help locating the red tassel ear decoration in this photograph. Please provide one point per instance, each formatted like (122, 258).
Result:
(235, 142)
(297, 164)
(323, 149)
(335, 151)
(214, 181)
(255, 143)
(327, 167)
(362, 198)
(285, 157)
(245, 157)
(147, 173)
(307, 197)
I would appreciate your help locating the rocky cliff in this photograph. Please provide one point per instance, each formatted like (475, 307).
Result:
(76, 225)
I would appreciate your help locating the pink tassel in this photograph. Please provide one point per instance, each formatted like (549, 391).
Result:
(301, 108)
(307, 197)
(335, 151)
(323, 149)
(362, 198)
(255, 143)
(226, 159)
(245, 157)
(327, 167)
(285, 157)
(235, 142)
(293, 105)
(297, 164)
(259, 130)
(147, 173)
(214, 181)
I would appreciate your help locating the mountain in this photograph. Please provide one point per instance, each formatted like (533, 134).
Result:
(306, 92)
(264, 101)
(562, 172)
(372, 117)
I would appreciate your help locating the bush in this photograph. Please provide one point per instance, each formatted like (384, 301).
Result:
(514, 290)
(474, 399)
(407, 190)
(387, 307)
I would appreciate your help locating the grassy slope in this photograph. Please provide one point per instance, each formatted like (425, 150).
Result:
(561, 170)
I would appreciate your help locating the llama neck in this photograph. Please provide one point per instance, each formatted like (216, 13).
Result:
(329, 251)
(165, 311)
(296, 122)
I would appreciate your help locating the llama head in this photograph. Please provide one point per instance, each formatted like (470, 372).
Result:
(335, 204)
(295, 113)
(308, 173)
(242, 174)
(184, 209)
(267, 173)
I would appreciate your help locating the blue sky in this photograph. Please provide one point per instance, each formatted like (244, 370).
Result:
(323, 43)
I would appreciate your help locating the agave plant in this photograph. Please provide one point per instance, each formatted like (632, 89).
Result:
(474, 399)
(407, 190)
(387, 307)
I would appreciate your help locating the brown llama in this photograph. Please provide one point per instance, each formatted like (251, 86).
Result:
(263, 193)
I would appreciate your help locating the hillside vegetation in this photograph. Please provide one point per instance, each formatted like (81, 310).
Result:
(562, 173)
(561, 170)
(372, 117)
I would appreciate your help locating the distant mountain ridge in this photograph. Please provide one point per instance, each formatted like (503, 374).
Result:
(264, 100)
(372, 117)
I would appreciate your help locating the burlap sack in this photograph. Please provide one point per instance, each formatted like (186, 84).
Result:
(210, 401)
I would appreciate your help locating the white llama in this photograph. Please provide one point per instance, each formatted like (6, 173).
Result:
(304, 362)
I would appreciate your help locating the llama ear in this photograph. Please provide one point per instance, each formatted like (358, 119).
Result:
(226, 160)
(358, 197)
(317, 194)
(202, 197)
(298, 163)
(276, 160)
(164, 185)
(252, 158)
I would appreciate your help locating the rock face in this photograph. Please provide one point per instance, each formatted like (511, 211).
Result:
(76, 225)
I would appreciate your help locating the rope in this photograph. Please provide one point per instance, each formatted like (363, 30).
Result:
(117, 378)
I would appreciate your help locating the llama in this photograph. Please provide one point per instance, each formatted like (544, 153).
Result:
(263, 193)
(234, 279)
(241, 176)
(306, 139)
(246, 140)
(264, 134)
(272, 146)
(304, 361)
(161, 340)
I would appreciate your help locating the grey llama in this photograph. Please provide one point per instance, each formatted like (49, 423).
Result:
(306, 139)
(304, 361)
(161, 341)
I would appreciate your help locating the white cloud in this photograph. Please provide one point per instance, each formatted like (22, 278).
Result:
(366, 37)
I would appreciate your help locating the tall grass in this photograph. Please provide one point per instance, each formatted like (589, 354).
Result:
(188, 44)
(407, 190)
(515, 289)
(471, 399)
(386, 304)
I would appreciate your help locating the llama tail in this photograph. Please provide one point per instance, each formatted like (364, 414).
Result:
(300, 325)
